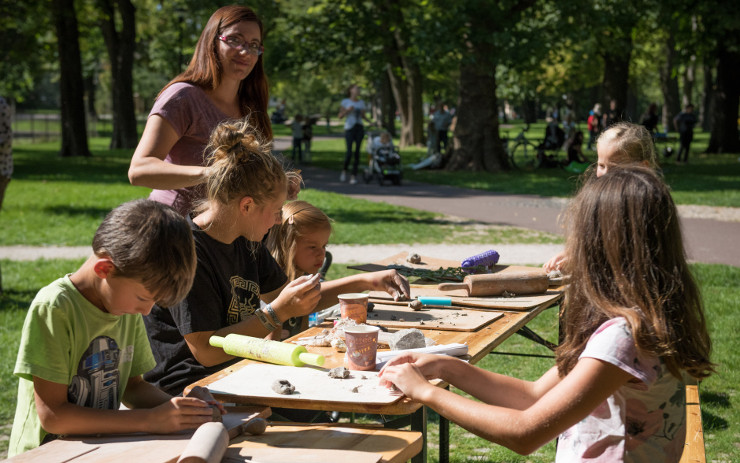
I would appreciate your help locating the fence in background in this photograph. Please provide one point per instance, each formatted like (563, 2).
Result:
(48, 126)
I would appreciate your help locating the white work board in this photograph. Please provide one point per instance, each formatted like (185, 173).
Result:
(311, 384)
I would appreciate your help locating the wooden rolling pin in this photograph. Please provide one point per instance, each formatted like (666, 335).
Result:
(518, 282)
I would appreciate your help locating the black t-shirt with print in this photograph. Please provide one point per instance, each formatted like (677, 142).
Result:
(228, 282)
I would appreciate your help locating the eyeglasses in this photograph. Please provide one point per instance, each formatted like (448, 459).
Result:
(253, 48)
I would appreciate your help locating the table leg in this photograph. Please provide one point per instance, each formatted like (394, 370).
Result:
(444, 438)
(419, 423)
(531, 335)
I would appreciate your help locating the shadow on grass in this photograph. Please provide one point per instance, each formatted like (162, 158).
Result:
(46, 165)
(719, 400)
(72, 211)
(11, 300)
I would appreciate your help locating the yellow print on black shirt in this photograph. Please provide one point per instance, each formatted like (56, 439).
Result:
(245, 299)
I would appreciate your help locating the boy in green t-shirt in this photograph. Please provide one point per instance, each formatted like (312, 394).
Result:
(84, 347)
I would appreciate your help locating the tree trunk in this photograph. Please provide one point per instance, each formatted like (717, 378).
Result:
(530, 110)
(405, 77)
(387, 105)
(689, 78)
(705, 111)
(724, 136)
(121, 47)
(476, 143)
(71, 89)
(616, 73)
(669, 84)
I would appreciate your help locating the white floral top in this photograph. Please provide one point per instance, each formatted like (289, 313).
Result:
(643, 421)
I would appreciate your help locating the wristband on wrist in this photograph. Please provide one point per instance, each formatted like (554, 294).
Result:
(262, 317)
(271, 312)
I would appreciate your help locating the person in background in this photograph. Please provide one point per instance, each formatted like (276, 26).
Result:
(594, 125)
(442, 120)
(634, 332)
(224, 80)
(6, 154)
(650, 119)
(354, 109)
(684, 123)
(307, 133)
(611, 116)
(84, 347)
(297, 128)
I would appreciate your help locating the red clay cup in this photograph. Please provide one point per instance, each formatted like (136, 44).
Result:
(353, 306)
(362, 347)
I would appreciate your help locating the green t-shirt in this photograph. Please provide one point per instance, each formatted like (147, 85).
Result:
(67, 340)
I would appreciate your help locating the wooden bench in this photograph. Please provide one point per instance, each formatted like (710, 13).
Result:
(694, 447)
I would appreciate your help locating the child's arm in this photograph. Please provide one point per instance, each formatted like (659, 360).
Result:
(295, 299)
(555, 406)
(389, 281)
(59, 416)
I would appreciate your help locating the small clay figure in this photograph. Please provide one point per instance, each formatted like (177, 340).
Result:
(414, 259)
(283, 386)
(339, 373)
(415, 305)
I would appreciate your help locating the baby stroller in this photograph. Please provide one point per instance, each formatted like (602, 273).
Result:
(384, 161)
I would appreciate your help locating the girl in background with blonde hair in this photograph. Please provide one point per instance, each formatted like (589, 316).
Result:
(298, 244)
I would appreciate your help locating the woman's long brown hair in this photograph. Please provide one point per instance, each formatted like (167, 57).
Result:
(625, 258)
(205, 69)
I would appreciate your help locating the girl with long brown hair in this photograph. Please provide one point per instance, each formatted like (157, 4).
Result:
(224, 80)
(634, 333)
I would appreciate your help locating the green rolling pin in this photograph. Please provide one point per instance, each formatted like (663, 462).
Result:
(281, 353)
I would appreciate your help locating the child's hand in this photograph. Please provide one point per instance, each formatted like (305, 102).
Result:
(204, 394)
(556, 263)
(178, 414)
(392, 283)
(407, 377)
(300, 296)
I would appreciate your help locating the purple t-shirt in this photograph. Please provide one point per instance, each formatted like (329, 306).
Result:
(193, 116)
(643, 421)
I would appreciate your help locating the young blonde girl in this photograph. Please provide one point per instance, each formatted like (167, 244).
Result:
(622, 144)
(245, 191)
(298, 245)
(634, 330)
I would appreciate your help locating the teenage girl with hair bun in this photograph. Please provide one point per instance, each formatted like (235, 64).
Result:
(245, 192)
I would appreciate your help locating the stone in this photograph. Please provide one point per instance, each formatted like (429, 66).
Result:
(407, 339)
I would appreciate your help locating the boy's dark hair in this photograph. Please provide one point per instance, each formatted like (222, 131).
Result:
(151, 243)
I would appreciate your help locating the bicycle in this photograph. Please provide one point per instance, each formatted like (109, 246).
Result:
(522, 154)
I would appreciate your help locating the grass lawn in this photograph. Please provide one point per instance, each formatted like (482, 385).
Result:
(710, 180)
(721, 294)
(55, 201)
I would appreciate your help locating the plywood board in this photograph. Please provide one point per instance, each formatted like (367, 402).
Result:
(452, 319)
(459, 298)
(154, 448)
(255, 380)
(326, 444)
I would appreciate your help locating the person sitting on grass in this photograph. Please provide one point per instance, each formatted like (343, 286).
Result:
(622, 144)
(298, 245)
(84, 348)
(245, 191)
(634, 332)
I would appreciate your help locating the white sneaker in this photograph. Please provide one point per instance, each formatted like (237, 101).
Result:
(343, 177)
(352, 180)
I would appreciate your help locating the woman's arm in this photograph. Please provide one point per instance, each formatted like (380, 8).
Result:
(558, 405)
(59, 416)
(148, 167)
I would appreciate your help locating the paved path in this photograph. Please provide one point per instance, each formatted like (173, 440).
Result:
(706, 240)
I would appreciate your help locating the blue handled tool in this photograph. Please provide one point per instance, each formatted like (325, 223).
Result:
(431, 300)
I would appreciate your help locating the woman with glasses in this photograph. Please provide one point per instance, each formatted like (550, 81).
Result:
(224, 80)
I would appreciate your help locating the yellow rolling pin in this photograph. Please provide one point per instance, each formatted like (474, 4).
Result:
(281, 353)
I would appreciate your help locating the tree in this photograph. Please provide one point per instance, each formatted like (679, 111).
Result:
(121, 45)
(487, 31)
(71, 89)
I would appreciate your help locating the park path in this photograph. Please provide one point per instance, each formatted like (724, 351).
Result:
(707, 240)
